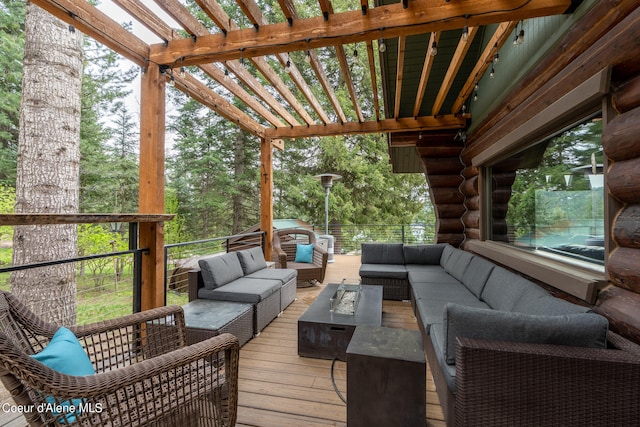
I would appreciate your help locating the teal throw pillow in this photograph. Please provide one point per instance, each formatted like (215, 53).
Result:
(304, 253)
(65, 354)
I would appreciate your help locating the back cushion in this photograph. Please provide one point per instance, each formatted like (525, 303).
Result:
(382, 253)
(423, 254)
(504, 288)
(457, 263)
(252, 260)
(476, 275)
(446, 253)
(220, 270)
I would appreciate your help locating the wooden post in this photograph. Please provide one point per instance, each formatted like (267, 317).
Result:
(266, 194)
(151, 193)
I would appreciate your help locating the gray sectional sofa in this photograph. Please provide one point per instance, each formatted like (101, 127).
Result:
(480, 321)
(243, 277)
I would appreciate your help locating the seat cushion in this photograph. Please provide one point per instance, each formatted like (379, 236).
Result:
(449, 370)
(242, 290)
(252, 260)
(428, 274)
(282, 274)
(457, 263)
(382, 253)
(383, 271)
(220, 269)
(423, 254)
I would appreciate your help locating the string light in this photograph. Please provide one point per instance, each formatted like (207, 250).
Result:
(307, 57)
(493, 73)
(287, 67)
(465, 33)
(226, 76)
(476, 87)
(434, 46)
(475, 95)
(172, 81)
(355, 52)
(496, 58)
(381, 46)
(183, 72)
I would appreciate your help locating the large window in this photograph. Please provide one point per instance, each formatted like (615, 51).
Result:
(550, 197)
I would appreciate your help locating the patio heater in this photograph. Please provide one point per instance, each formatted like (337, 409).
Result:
(326, 180)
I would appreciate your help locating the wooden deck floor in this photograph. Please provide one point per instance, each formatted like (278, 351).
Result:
(280, 389)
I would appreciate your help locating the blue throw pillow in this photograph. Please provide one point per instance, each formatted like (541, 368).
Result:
(65, 354)
(304, 253)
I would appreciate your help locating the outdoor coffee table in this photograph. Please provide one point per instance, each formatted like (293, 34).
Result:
(324, 334)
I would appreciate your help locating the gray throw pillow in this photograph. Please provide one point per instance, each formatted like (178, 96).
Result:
(578, 329)
(219, 270)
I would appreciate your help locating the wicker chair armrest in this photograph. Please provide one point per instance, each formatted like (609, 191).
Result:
(511, 383)
(155, 314)
(162, 384)
(282, 257)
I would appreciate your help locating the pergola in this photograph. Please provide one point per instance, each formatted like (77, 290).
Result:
(280, 103)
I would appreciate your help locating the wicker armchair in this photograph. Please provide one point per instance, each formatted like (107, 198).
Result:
(284, 248)
(145, 374)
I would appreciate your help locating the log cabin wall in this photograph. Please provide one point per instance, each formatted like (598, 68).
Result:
(443, 169)
(605, 37)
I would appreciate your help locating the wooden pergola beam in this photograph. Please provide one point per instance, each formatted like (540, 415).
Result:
(454, 66)
(378, 126)
(399, 72)
(422, 16)
(374, 80)
(426, 71)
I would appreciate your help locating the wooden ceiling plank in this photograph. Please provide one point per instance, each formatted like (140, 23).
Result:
(426, 71)
(222, 20)
(289, 10)
(402, 41)
(374, 82)
(498, 39)
(454, 67)
(350, 27)
(97, 25)
(217, 103)
(181, 15)
(141, 13)
(393, 125)
(250, 7)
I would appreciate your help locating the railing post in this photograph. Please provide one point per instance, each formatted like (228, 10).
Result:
(137, 267)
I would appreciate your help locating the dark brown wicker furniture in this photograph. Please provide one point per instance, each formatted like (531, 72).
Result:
(209, 318)
(146, 375)
(284, 249)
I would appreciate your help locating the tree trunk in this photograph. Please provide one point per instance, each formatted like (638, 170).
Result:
(48, 164)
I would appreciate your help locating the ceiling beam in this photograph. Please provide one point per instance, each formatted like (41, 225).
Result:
(497, 40)
(402, 41)
(422, 16)
(191, 25)
(454, 66)
(201, 93)
(434, 39)
(388, 125)
(374, 80)
(227, 25)
(96, 24)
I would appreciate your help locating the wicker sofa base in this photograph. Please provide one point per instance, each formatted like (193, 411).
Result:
(392, 289)
(265, 311)
(207, 318)
(287, 294)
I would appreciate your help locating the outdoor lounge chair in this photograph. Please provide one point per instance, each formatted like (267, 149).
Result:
(145, 374)
(285, 243)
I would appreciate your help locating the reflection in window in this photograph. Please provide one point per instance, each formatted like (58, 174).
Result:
(550, 197)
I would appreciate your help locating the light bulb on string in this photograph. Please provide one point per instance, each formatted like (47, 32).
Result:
(382, 47)
(493, 73)
(307, 57)
(434, 48)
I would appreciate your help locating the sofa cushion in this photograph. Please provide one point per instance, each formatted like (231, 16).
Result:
(428, 274)
(579, 330)
(446, 253)
(476, 275)
(242, 290)
(283, 274)
(457, 263)
(382, 253)
(385, 271)
(547, 304)
(423, 254)
(220, 270)
(252, 260)
(431, 298)
(504, 288)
